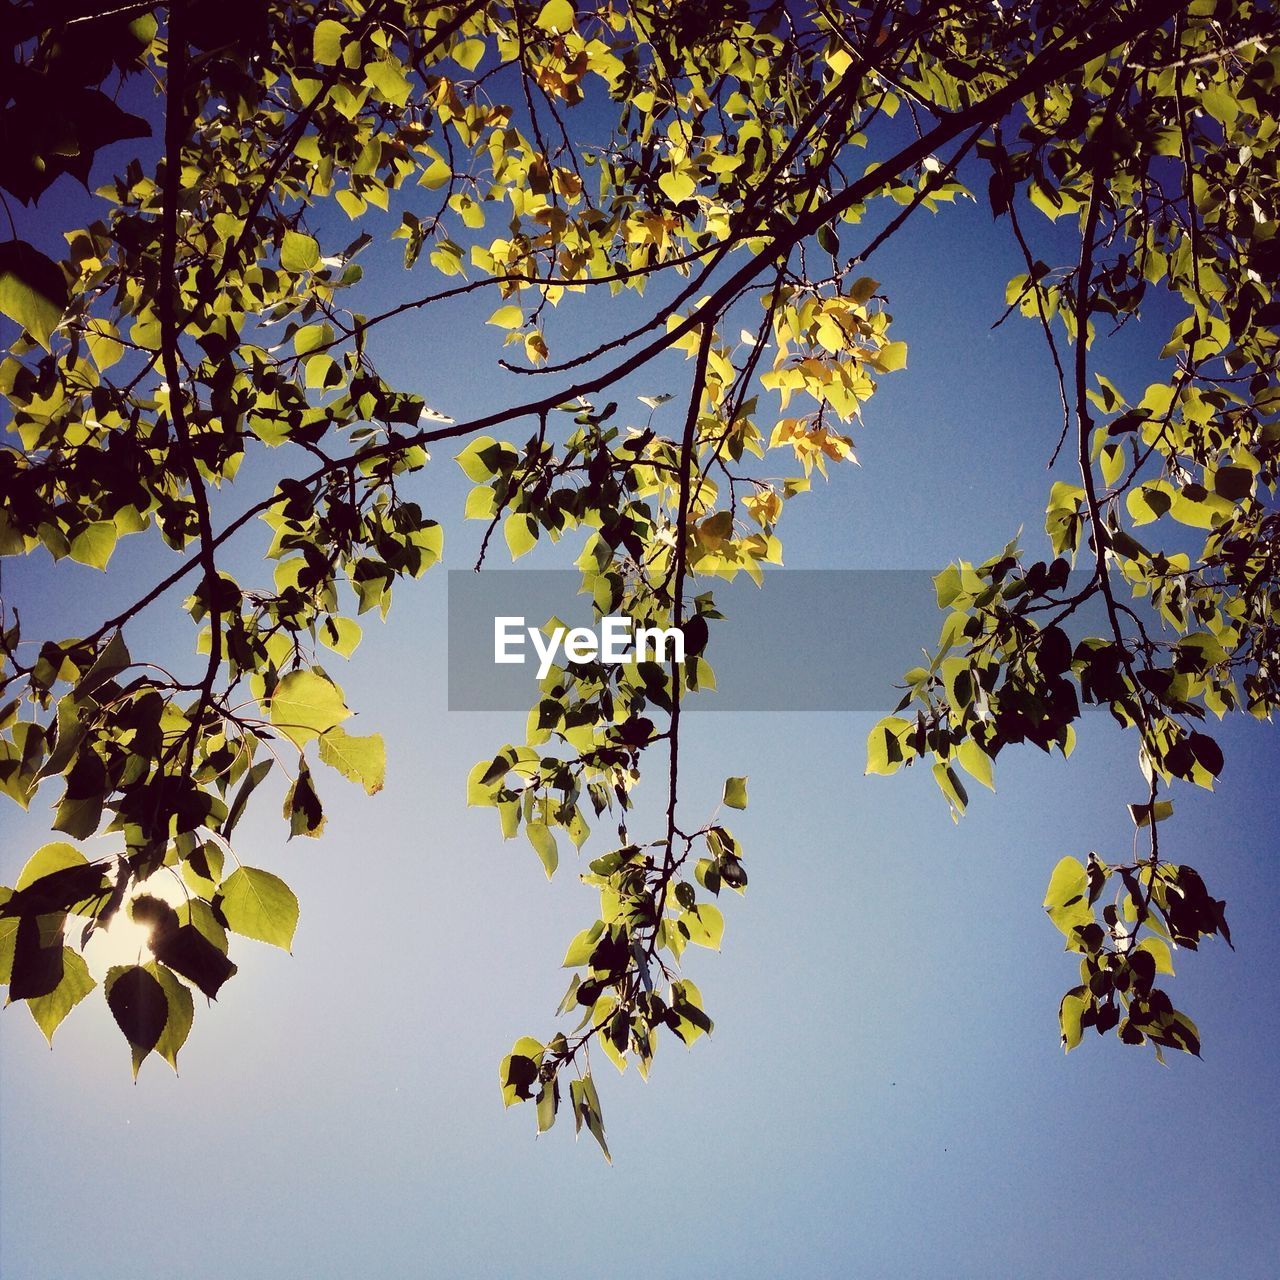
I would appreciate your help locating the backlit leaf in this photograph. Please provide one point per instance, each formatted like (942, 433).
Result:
(361, 759)
(259, 905)
(304, 705)
(33, 290)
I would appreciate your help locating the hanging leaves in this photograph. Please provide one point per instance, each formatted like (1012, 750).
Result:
(204, 316)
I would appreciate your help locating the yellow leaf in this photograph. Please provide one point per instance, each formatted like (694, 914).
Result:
(677, 186)
(555, 15)
(891, 357)
(508, 317)
(467, 53)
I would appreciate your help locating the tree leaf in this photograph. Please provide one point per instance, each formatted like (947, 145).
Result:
(8, 937)
(735, 793)
(251, 781)
(1070, 1011)
(37, 956)
(342, 635)
(582, 946)
(259, 905)
(544, 845)
(1066, 898)
(140, 1007)
(46, 860)
(94, 544)
(183, 948)
(703, 925)
(508, 317)
(1159, 950)
(891, 357)
(361, 759)
(1142, 814)
(299, 252)
(304, 705)
(180, 1010)
(556, 16)
(302, 805)
(33, 290)
(518, 1071)
(388, 78)
(677, 185)
(521, 533)
(49, 1010)
(326, 42)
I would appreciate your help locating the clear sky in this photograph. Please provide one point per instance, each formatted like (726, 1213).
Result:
(884, 1094)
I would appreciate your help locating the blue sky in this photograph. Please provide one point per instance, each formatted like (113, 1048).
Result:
(884, 1094)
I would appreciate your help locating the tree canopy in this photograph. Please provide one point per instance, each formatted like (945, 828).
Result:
(735, 167)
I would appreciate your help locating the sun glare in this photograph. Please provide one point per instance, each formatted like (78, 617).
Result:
(124, 940)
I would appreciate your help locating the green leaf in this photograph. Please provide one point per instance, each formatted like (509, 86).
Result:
(299, 252)
(389, 80)
(582, 946)
(304, 705)
(259, 905)
(479, 790)
(8, 937)
(181, 1014)
(518, 1071)
(140, 1007)
(183, 947)
(342, 635)
(326, 42)
(48, 859)
(1070, 1011)
(36, 969)
(79, 815)
(1066, 898)
(548, 1103)
(302, 806)
(1159, 950)
(1144, 814)
(521, 533)
(362, 760)
(703, 925)
(885, 751)
(1221, 104)
(950, 785)
(33, 290)
(1233, 483)
(472, 459)
(735, 793)
(251, 781)
(202, 869)
(94, 544)
(311, 337)
(467, 53)
(199, 914)
(112, 658)
(976, 763)
(49, 1010)
(544, 845)
(586, 1110)
(686, 1003)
